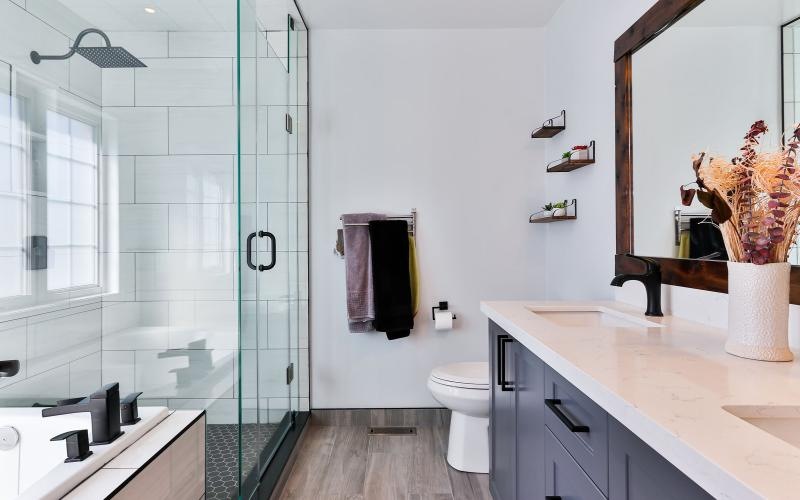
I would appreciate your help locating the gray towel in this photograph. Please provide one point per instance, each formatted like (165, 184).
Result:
(358, 270)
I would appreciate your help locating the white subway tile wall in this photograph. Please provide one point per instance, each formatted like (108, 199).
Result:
(167, 323)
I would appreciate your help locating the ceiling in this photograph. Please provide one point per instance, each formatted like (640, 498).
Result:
(172, 15)
(427, 14)
(220, 15)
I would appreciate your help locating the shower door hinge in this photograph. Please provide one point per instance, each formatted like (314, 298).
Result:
(289, 373)
(289, 126)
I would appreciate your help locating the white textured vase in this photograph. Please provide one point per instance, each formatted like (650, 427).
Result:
(758, 311)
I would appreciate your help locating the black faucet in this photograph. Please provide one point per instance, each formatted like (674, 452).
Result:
(651, 279)
(103, 404)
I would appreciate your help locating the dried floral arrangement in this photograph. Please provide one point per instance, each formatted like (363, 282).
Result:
(754, 198)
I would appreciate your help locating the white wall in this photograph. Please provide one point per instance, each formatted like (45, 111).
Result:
(438, 120)
(580, 79)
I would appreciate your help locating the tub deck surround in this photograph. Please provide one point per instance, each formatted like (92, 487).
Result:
(670, 386)
(44, 474)
(167, 462)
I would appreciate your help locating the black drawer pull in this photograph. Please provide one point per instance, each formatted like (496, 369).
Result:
(573, 427)
(501, 365)
(552, 497)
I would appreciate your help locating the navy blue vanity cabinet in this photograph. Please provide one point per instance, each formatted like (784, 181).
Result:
(502, 424)
(529, 391)
(549, 440)
(637, 472)
(517, 440)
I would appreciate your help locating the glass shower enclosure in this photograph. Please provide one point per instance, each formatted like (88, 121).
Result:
(153, 216)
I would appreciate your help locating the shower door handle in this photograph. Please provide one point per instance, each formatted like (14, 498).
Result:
(250, 251)
(273, 249)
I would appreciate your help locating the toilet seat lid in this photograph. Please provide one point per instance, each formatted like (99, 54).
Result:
(469, 374)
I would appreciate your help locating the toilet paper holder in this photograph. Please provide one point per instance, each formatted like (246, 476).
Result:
(443, 306)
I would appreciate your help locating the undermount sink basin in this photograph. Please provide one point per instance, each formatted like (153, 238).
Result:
(590, 316)
(783, 422)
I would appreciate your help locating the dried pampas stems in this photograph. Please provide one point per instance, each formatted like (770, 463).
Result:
(755, 197)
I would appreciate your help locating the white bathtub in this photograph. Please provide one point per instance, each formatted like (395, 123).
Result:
(35, 468)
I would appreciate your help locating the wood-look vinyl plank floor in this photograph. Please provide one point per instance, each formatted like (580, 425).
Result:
(345, 462)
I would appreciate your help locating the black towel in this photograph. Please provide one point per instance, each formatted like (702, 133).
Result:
(705, 240)
(391, 281)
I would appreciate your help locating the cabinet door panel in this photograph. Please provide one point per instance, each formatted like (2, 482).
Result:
(637, 472)
(564, 477)
(529, 393)
(502, 425)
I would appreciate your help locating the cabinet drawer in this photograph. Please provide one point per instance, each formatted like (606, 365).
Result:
(580, 425)
(564, 478)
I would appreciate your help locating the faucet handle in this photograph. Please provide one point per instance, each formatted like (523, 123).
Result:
(71, 401)
(652, 265)
(106, 391)
(77, 445)
(129, 409)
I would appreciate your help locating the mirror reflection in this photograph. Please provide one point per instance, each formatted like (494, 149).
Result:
(698, 87)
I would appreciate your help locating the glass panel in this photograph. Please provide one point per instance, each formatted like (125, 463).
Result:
(13, 187)
(299, 212)
(249, 438)
(269, 298)
(49, 237)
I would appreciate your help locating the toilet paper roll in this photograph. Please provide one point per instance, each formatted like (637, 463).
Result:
(443, 320)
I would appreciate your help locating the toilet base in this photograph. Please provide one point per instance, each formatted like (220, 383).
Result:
(468, 446)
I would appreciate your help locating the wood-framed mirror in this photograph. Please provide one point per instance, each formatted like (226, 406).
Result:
(692, 76)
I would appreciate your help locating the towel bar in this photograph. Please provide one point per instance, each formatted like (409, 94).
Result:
(410, 218)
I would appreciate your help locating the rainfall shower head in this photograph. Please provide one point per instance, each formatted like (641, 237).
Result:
(104, 57)
(110, 57)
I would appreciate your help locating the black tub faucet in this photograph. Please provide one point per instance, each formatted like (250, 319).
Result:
(651, 279)
(103, 405)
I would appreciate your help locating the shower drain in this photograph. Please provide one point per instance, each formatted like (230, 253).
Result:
(394, 431)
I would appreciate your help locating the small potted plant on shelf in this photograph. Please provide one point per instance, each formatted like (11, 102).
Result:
(560, 209)
(755, 200)
(547, 210)
(580, 152)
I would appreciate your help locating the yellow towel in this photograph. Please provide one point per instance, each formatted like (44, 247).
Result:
(683, 249)
(413, 271)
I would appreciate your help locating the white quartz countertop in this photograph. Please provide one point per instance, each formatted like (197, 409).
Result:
(670, 387)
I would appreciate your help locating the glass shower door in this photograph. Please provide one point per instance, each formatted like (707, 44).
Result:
(268, 237)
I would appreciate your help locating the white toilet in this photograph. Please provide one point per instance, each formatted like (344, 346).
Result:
(464, 389)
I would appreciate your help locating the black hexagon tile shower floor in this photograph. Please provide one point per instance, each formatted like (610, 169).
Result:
(222, 449)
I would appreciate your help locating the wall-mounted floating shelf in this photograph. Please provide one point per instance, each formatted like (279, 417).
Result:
(542, 217)
(550, 128)
(569, 164)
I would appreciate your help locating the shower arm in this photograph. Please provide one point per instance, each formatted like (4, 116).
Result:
(36, 57)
